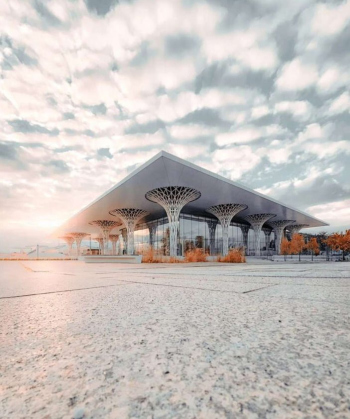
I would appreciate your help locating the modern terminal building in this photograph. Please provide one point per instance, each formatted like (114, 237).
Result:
(175, 206)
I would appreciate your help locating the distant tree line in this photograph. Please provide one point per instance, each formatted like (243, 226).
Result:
(316, 244)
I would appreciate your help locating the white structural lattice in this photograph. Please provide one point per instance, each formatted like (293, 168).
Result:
(173, 199)
(78, 237)
(225, 213)
(212, 229)
(295, 228)
(125, 239)
(69, 240)
(267, 232)
(278, 227)
(245, 231)
(129, 216)
(106, 226)
(257, 221)
(100, 243)
(152, 228)
(114, 239)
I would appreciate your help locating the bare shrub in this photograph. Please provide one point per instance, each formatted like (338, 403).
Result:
(195, 255)
(149, 256)
(174, 259)
(234, 256)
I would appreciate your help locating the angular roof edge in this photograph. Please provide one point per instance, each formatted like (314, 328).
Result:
(167, 155)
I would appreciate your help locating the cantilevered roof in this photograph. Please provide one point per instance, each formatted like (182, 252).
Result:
(164, 169)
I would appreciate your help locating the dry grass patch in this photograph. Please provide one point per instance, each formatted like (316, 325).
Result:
(150, 256)
(196, 255)
(234, 256)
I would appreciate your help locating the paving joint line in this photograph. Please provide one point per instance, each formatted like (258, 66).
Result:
(248, 282)
(57, 292)
(246, 276)
(261, 288)
(190, 288)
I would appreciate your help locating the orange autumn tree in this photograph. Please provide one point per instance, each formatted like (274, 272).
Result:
(285, 248)
(339, 242)
(314, 247)
(297, 244)
(346, 241)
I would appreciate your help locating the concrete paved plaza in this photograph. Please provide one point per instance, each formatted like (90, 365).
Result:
(174, 341)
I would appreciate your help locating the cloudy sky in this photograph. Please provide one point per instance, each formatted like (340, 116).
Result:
(256, 90)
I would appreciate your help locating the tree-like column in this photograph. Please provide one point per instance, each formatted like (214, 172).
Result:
(245, 232)
(114, 239)
(225, 213)
(295, 228)
(78, 237)
(69, 240)
(278, 227)
(152, 228)
(257, 221)
(125, 239)
(106, 226)
(267, 232)
(100, 243)
(173, 199)
(212, 229)
(129, 216)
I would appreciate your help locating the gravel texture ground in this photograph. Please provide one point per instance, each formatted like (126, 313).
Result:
(174, 341)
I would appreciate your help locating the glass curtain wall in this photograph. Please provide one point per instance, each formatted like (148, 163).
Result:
(193, 233)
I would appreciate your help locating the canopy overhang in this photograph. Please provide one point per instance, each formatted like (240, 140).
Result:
(164, 169)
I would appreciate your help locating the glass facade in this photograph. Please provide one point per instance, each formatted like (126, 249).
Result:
(194, 232)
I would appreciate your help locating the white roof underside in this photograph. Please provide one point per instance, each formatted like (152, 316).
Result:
(165, 169)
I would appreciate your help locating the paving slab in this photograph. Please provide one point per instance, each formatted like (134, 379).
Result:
(248, 341)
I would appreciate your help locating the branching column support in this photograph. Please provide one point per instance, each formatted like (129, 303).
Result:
(225, 213)
(129, 216)
(114, 239)
(69, 240)
(212, 229)
(78, 237)
(173, 199)
(267, 232)
(295, 228)
(125, 239)
(106, 226)
(152, 228)
(245, 232)
(257, 221)
(100, 244)
(278, 227)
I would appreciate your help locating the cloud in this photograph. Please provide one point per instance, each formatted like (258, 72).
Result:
(181, 45)
(245, 47)
(104, 152)
(330, 19)
(332, 79)
(336, 213)
(97, 109)
(56, 166)
(148, 128)
(205, 116)
(45, 13)
(296, 75)
(247, 134)
(190, 131)
(235, 161)
(7, 151)
(222, 74)
(100, 7)
(340, 104)
(314, 187)
(299, 109)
